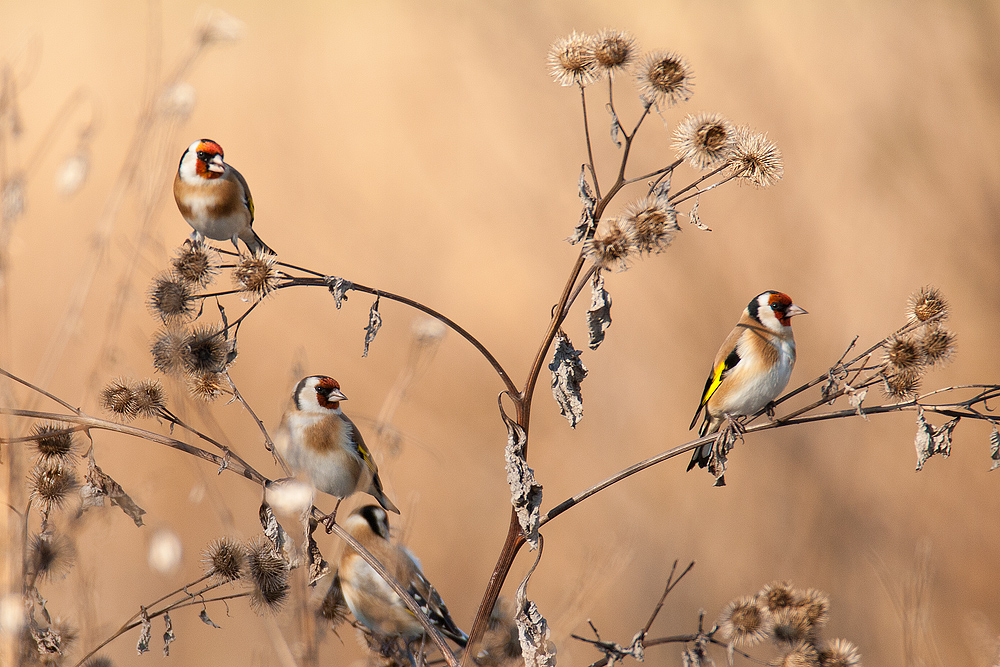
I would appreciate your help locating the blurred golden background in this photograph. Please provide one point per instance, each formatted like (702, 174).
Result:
(424, 149)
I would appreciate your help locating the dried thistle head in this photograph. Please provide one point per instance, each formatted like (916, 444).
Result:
(839, 653)
(51, 484)
(50, 556)
(571, 60)
(791, 626)
(150, 399)
(52, 440)
(755, 158)
(255, 275)
(195, 264)
(334, 607)
(169, 349)
(205, 386)
(902, 384)
(613, 244)
(99, 661)
(777, 595)
(903, 353)
(745, 621)
(225, 559)
(664, 79)
(937, 344)
(205, 349)
(704, 140)
(816, 605)
(171, 298)
(119, 398)
(268, 575)
(654, 221)
(614, 50)
(927, 304)
(500, 645)
(802, 654)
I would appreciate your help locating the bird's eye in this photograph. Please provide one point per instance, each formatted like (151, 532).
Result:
(776, 307)
(202, 155)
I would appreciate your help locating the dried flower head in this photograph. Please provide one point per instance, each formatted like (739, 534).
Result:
(196, 264)
(816, 605)
(150, 399)
(99, 661)
(205, 386)
(50, 556)
(571, 60)
(256, 275)
(169, 349)
(745, 621)
(613, 243)
(225, 559)
(205, 350)
(118, 398)
(654, 221)
(937, 344)
(902, 384)
(51, 483)
(791, 626)
(704, 140)
(614, 50)
(664, 79)
(334, 607)
(802, 654)
(500, 645)
(839, 653)
(171, 298)
(777, 595)
(755, 158)
(927, 304)
(53, 440)
(268, 575)
(903, 353)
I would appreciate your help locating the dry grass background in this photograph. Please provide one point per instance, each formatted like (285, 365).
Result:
(425, 150)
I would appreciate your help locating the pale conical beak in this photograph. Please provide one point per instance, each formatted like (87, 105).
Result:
(794, 310)
(216, 164)
(336, 395)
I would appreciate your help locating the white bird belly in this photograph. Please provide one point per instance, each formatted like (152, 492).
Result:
(219, 228)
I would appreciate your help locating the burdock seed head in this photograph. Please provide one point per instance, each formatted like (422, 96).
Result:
(614, 50)
(705, 140)
(53, 441)
(664, 79)
(256, 275)
(195, 264)
(927, 304)
(171, 298)
(655, 223)
(614, 242)
(169, 349)
(791, 626)
(802, 654)
(119, 398)
(816, 605)
(745, 621)
(902, 384)
(50, 556)
(903, 353)
(150, 399)
(205, 350)
(937, 344)
(205, 386)
(755, 158)
(51, 483)
(839, 653)
(268, 575)
(571, 60)
(225, 559)
(777, 595)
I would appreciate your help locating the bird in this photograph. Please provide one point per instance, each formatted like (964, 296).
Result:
(318, 442)
(750, 369)
(214, 198)
(373, 603)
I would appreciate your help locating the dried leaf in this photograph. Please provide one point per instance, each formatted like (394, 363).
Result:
(930, 441)
(662, 192)
(532, 629)
(339, 288)
(567, 374)
(615, 126)
(47, 641)
(98, 485)
(318, 568)
(995, 448)
(696, 219)
(145, 633)
(728, 435)
(206, 620)
(587, 223)
(525, 492)
(855, 397)
(374, 324)
(599, 313)
(279, 539)
(830, 387)
(168, 634)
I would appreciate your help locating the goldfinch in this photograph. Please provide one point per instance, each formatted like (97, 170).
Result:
(321, 444)
(214, 198)
(751, 368)
(369, 597)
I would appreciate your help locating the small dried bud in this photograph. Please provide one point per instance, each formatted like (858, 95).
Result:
(777, 595)
(664, 79)
(816, 605)
(927, 304)
(655, 223)
(51, 483)
(802, 654)
(119, 399)
(169, 350)
(839, 653)
(704, 140)
(937, 345)
(225, 559)
(791, 625)
(755, 158)
(150, 399)
(206, 350)
(171, 298)
(745, 622)
(205, 386)
(614, 50)
(613, 243)
(903, 354)
(50, 557)
(269, 577)
(256, 275)
(571, 60)
(902, 384)
(195, 264)
(54, 441)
